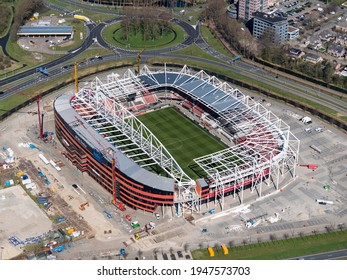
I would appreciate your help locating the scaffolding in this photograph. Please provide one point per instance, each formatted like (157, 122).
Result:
(265, 150)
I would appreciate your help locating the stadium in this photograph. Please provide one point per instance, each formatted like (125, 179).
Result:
(177, 139)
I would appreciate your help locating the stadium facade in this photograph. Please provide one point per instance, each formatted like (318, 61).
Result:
(102, 136)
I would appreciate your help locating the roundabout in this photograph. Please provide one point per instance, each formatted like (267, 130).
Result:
(115, 36)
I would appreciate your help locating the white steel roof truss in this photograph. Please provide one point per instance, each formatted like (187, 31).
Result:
(159, 154)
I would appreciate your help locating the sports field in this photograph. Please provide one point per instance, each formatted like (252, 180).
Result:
(181, 137)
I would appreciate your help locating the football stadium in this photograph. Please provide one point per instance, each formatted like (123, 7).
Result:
(174, 138)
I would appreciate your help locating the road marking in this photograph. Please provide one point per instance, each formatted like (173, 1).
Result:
(76, 191)
(82, 190)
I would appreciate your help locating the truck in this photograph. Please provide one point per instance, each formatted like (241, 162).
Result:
(60, 219)
(150, 226)
(83, 18)
(135, 224)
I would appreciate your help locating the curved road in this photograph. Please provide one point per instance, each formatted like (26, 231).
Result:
(95, 34)
(332, 255)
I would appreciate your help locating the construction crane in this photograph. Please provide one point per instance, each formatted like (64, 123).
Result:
(38, 99)
(76, 76)
(139, 61)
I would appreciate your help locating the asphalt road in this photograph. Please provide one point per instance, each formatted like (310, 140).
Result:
(55, 68)
(332, 255)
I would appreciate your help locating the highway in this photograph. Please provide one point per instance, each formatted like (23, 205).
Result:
(332, 255)
(55, 68)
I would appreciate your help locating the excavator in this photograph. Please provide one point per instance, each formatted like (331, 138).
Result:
(83, 205)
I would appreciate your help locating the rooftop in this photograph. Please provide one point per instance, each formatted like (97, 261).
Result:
(45, 30)
(273, 18)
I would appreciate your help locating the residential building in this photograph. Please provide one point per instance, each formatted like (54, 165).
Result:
(341, 26)
(275, 24)
(336, 50)
(296, 53)
(293, 32)
(341, 39)
(312, 58)
(248, 7)
(232, 11)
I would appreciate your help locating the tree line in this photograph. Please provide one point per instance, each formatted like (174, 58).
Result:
(148, 22)
(23, 11)
(233, 31)
(237, 35)
(5, 62)
(5, 15)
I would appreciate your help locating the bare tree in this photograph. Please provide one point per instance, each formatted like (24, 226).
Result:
(285, 235)
(328, 228)
(259, 240)
(301, 234)
(341, 226)
(244, 242)
(273, 237)
(231, 243)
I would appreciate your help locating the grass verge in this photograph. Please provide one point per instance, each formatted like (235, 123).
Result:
(280, 249)
(212, 40)
(96, 16)
(194, 50)
(16, 99)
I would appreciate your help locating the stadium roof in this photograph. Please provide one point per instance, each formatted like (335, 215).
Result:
(202, 89)
(44, 30)
(91, 138)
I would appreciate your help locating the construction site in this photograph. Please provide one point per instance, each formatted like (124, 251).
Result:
(76, 218)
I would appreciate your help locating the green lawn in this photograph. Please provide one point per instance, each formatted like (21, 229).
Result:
(281, 249)
(182, 138)
(213, 41)
(113, 34)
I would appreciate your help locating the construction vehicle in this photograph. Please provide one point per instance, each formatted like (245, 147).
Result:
(39, 172)
(310, 166)
(83, 205)
(108, 214)
(135, 224)
(150, 226)
(140, 234)
(47, 182)
(120, 206)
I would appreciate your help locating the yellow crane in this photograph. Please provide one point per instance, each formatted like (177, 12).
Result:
(139, 61)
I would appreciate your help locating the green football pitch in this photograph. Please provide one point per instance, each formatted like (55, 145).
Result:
(182, 138)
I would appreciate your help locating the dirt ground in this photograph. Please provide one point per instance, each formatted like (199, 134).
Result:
(45, 44)
(19, 217)
(293, 211)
